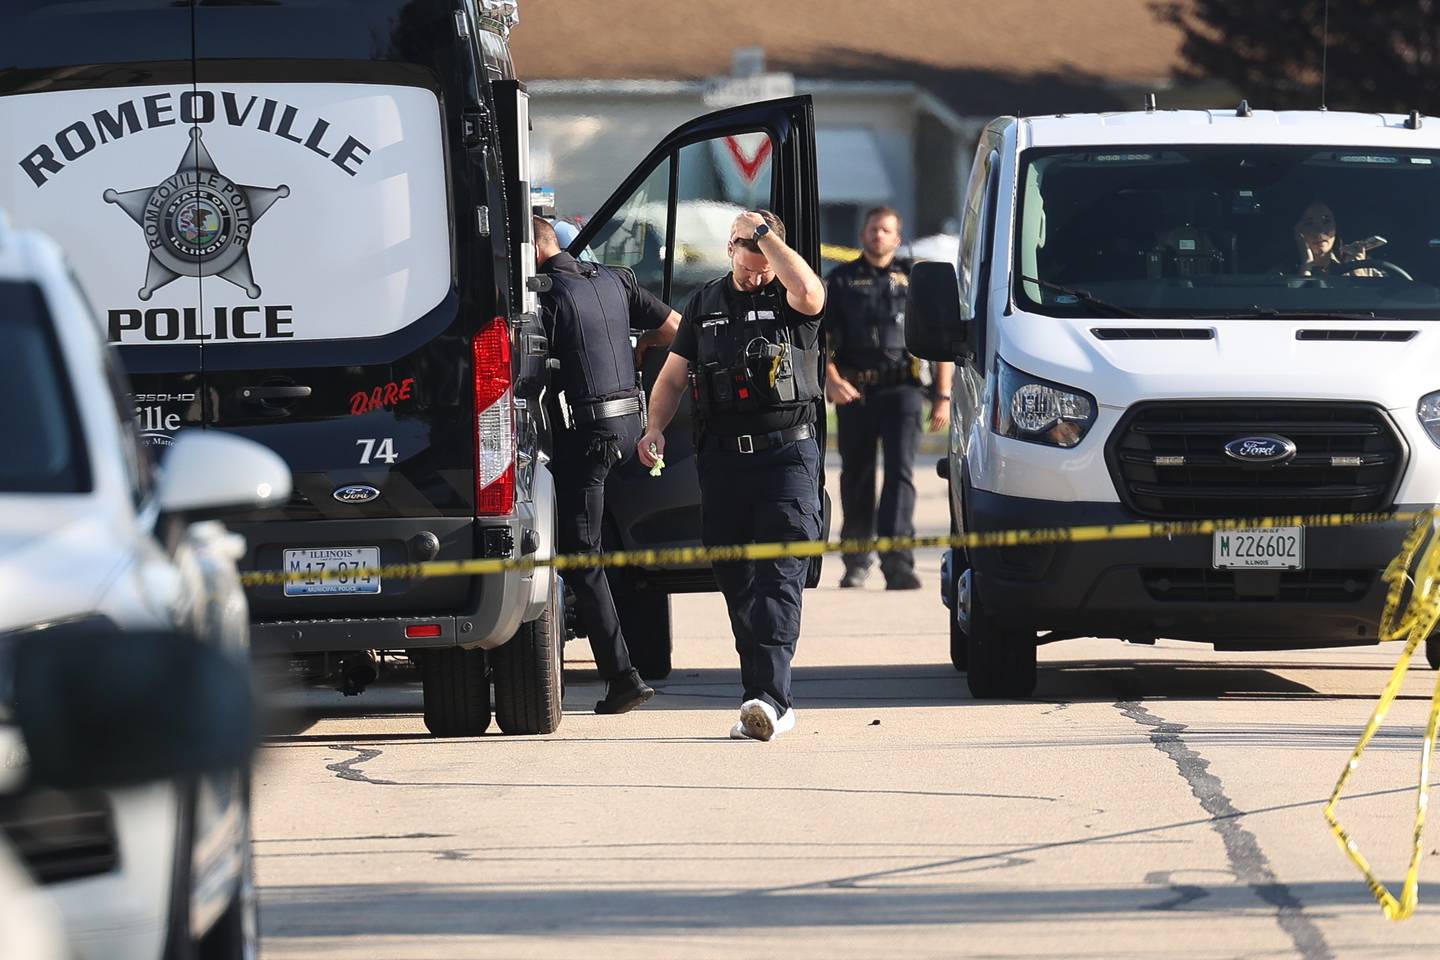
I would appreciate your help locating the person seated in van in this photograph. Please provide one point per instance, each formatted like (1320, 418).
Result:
(1317, 239)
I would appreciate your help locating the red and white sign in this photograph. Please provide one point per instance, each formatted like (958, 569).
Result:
(750, 152)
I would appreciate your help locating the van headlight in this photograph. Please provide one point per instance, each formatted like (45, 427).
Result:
(1038, 411)
(1428, 410)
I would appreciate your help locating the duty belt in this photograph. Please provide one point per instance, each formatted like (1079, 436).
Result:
(584, 414)
(884, 377)
(754, 442)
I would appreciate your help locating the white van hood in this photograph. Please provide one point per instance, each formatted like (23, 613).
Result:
(1260, 359)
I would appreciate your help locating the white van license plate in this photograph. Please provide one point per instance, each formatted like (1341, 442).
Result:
(1267, 548)
(332, 571)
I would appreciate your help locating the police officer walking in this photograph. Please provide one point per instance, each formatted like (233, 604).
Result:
(877, 389)
(588, 313)
(749, 347)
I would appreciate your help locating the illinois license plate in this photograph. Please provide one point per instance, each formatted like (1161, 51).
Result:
(1269, 548)
(332, 571)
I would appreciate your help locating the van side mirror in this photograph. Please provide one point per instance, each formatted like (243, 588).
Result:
(101, 707)
(934, 321)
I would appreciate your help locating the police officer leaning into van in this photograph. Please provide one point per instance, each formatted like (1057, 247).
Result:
(588, 313)
(749, 347)
(876, 386)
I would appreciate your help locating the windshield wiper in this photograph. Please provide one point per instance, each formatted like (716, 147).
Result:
(1083, 296)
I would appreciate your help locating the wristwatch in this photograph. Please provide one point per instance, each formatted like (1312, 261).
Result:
(760, 231)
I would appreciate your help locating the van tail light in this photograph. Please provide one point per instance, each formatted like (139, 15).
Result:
(494, 422)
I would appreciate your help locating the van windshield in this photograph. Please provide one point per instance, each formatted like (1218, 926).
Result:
(1215, 231)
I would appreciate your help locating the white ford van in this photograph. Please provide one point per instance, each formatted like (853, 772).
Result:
(1177, 315)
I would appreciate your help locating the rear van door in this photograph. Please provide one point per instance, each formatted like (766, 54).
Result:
(335, 333)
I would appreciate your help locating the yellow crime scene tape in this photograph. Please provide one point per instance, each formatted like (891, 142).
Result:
(1411, 612)
(1412, 607)
(699, 556)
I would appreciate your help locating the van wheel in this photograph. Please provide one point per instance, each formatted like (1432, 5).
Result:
(645, 621)
(1432, 651)
(959, 643)
(959, 563)
(457, 692)
(528, 672)
(1001, 658)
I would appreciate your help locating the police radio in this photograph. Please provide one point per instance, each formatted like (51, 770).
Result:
(740, 376)
(770, 371)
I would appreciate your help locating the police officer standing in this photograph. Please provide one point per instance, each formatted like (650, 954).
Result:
(749, 347)
(588, 313)
(877, 389)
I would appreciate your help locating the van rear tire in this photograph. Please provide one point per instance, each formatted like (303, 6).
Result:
(529, 672)
(645, 621)
(457, 692)
(959, 643)
(1001, 659)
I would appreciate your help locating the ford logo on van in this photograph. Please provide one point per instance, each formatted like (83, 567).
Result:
(356, 493)
(1260, 449)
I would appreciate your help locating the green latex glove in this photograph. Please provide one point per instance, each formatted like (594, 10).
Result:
(659, 462)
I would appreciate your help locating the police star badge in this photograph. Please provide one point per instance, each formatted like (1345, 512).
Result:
(198, 222)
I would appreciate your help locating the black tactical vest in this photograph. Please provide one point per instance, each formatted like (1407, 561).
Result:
(746, 359)
(588, 322)
(867, 315)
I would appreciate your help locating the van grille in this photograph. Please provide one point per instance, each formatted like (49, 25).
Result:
(61, 836)
(1296, 586)
(1168, 459)
(1153, 333)
(1376, 336)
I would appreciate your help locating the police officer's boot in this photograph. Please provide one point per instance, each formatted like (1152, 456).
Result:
(902, 580)
(625, 693)
(899, 574)
(854, 577)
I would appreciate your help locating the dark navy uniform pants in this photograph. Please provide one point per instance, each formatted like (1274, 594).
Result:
(763, 497)
(583, 459)
(892, 417)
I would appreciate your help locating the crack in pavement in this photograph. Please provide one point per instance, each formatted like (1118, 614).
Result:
(345, 769)
(1242, 848)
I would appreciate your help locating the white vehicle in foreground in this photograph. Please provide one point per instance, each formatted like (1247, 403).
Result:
(92, 542)
(1182, 315)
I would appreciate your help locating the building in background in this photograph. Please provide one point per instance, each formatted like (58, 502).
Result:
(878, 142)
(901, 90)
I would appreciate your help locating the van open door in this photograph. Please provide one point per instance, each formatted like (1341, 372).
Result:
(669, 223)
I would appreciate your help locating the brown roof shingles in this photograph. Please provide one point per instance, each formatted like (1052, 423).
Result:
(1104, 40)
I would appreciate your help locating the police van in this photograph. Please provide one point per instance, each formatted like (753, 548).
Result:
(307, 222)
(1175, 315)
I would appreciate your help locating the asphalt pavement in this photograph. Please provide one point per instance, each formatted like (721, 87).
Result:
(1149, 802)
